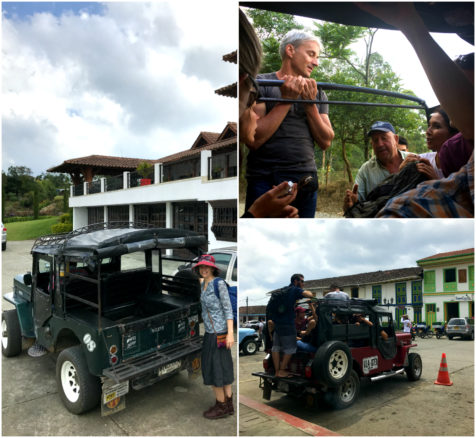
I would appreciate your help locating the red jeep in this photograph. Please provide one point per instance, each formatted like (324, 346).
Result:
(345, 352)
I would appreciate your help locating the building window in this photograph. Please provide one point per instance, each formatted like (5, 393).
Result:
(354, 292)
(462, 278)
(417, 296)
(118, 213)
(95, 215)
(449, 280)
(182, 170)
(429, 283)
(191, 216)
(222, 165)
(471, 277)
(377, 293)
(400, 293)
(224, 220)
(152, 214)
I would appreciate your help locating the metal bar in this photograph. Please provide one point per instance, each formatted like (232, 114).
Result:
(342, 87)
(339, 102)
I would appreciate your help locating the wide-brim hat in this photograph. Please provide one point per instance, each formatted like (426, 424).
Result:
(206, 260)
(300, 309)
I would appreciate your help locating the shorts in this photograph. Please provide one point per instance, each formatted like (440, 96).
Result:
(285, 344)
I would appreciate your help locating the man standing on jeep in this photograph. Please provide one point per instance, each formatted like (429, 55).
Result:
(281, 314)
(283, 148)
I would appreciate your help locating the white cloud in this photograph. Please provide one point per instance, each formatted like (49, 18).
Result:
(145, 72)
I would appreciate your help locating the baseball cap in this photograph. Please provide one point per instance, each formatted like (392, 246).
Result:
(381, 126)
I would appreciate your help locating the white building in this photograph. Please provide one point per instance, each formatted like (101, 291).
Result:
(195, 189)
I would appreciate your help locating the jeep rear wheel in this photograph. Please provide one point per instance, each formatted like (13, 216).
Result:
(345, 394)
(332, 363)
(414, 368)
(11, 333)
(79, 390)
(250, 347)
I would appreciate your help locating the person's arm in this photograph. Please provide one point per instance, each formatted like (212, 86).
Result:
(307, 294)
(230, 339)
(451, 86)
(268, 123)
(319, 124)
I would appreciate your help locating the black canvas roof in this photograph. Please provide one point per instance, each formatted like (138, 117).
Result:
(445, 17)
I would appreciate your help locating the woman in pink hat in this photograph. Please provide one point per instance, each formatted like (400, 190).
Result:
(217, 315)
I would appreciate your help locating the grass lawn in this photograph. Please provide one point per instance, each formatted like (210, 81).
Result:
(30, 229)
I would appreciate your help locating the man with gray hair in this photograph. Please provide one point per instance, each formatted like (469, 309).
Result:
(283, 148)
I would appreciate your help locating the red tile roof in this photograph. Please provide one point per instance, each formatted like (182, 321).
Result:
(99, 161)
(449, 254)
(231, 57)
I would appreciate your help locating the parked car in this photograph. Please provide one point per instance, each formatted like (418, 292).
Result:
(252, 324)
(346, 352)
(100, 293)
(463, 327)
(249, 340)
(4, 237)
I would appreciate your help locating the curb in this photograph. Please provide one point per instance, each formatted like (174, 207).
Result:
(303, 425)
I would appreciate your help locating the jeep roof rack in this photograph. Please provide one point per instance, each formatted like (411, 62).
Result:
(116, 238)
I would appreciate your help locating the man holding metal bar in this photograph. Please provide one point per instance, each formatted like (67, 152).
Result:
(283, 149)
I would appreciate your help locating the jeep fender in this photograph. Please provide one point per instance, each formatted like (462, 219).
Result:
(25, 314)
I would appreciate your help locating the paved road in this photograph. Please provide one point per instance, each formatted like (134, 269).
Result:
(389, 407)
(31, 404)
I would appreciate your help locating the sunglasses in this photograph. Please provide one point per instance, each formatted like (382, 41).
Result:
(254, 92)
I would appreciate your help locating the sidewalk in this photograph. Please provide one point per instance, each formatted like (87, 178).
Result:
(259, 419)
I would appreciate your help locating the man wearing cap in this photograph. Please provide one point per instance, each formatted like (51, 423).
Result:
(386, 161)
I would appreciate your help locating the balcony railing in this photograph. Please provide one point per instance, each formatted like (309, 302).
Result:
(114, 183)
(94, 187)
(78, 190)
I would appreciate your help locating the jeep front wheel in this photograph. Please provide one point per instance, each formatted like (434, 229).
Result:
(250, 347)
(79, 390)
(414, 368)
(11, 333)
(345, 394)
(332, 363)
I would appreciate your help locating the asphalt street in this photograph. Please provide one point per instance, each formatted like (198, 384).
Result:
(31, 404)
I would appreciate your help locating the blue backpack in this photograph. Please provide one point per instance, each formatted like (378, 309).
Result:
(231, 294)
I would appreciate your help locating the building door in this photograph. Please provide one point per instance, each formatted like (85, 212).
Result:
(430, 314)
(451, 310)
(399, 312)
(192, 216)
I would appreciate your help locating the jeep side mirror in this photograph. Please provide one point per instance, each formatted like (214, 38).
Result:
(27, 279)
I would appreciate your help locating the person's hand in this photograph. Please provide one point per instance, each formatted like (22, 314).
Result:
(309, 91)
(351, 197)
(408, 159)
(292, 86)
(424, 166)
(397, 15)
(275, 202)
(230, 340)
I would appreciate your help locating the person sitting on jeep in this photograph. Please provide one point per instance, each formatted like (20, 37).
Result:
(280, 310)
(305, 333)
(335, 293)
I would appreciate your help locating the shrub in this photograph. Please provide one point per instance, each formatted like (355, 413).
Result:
(62, 228)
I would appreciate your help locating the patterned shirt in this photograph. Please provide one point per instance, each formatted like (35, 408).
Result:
(447, 197)
(219, 309)
(371, 174)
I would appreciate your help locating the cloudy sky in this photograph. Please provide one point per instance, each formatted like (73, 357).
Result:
(272, 250)
(130, 79)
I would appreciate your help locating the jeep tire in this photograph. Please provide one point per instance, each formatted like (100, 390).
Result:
(345, 394)
(332, 363)
(11, 333)
(250, 347)
(79, 390)
(414, 368)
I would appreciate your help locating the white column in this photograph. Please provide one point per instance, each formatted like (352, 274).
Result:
(103, 185)
(158, 175)
(204, 155)
(125, 177)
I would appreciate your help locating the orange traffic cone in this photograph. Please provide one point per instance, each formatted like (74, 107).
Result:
(443, 375)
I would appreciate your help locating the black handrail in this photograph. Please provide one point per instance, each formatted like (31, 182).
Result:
(342, 87)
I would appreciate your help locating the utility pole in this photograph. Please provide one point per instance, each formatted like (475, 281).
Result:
(247, 311)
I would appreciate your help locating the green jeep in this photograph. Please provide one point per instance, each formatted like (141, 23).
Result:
(99, 297)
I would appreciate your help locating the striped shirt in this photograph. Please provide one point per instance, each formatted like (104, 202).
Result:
(443, 198)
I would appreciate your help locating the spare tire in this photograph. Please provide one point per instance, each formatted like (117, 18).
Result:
(332, 363)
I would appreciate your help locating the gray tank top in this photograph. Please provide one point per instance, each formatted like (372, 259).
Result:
(291, 147)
